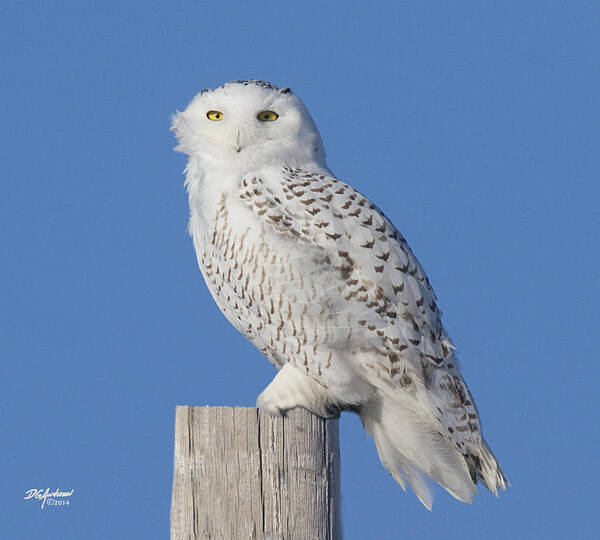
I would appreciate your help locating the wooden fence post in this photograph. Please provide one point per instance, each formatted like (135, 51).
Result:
(242, 474)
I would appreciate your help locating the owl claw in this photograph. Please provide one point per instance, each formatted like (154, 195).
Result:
(267, 405)
(290, 389)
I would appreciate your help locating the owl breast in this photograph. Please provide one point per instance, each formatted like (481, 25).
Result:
(280, 296)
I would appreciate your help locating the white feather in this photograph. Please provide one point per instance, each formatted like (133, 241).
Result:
(409, 447)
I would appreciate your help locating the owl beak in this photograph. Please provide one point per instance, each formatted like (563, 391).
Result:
(237, 145)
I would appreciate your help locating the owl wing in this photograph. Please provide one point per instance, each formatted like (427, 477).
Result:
(381, 292)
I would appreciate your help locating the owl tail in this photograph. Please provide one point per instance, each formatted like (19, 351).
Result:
(410, 447)
(483, 465)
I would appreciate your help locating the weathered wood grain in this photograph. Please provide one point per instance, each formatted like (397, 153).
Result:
(240, 474)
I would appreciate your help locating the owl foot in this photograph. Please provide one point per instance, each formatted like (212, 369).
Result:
(290, 389)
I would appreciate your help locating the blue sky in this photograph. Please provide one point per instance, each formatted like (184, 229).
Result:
(474, 125)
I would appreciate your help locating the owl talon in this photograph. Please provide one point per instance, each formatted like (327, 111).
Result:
(268, 406)
(290, 389)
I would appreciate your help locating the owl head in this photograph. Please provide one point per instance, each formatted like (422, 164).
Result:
(246, 124)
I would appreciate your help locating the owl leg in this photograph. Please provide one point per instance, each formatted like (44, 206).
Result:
(292, 388)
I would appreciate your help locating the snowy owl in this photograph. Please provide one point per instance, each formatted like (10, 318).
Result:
(319, 279)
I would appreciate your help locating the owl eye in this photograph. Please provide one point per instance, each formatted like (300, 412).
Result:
(214, 115)
(267, 116)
